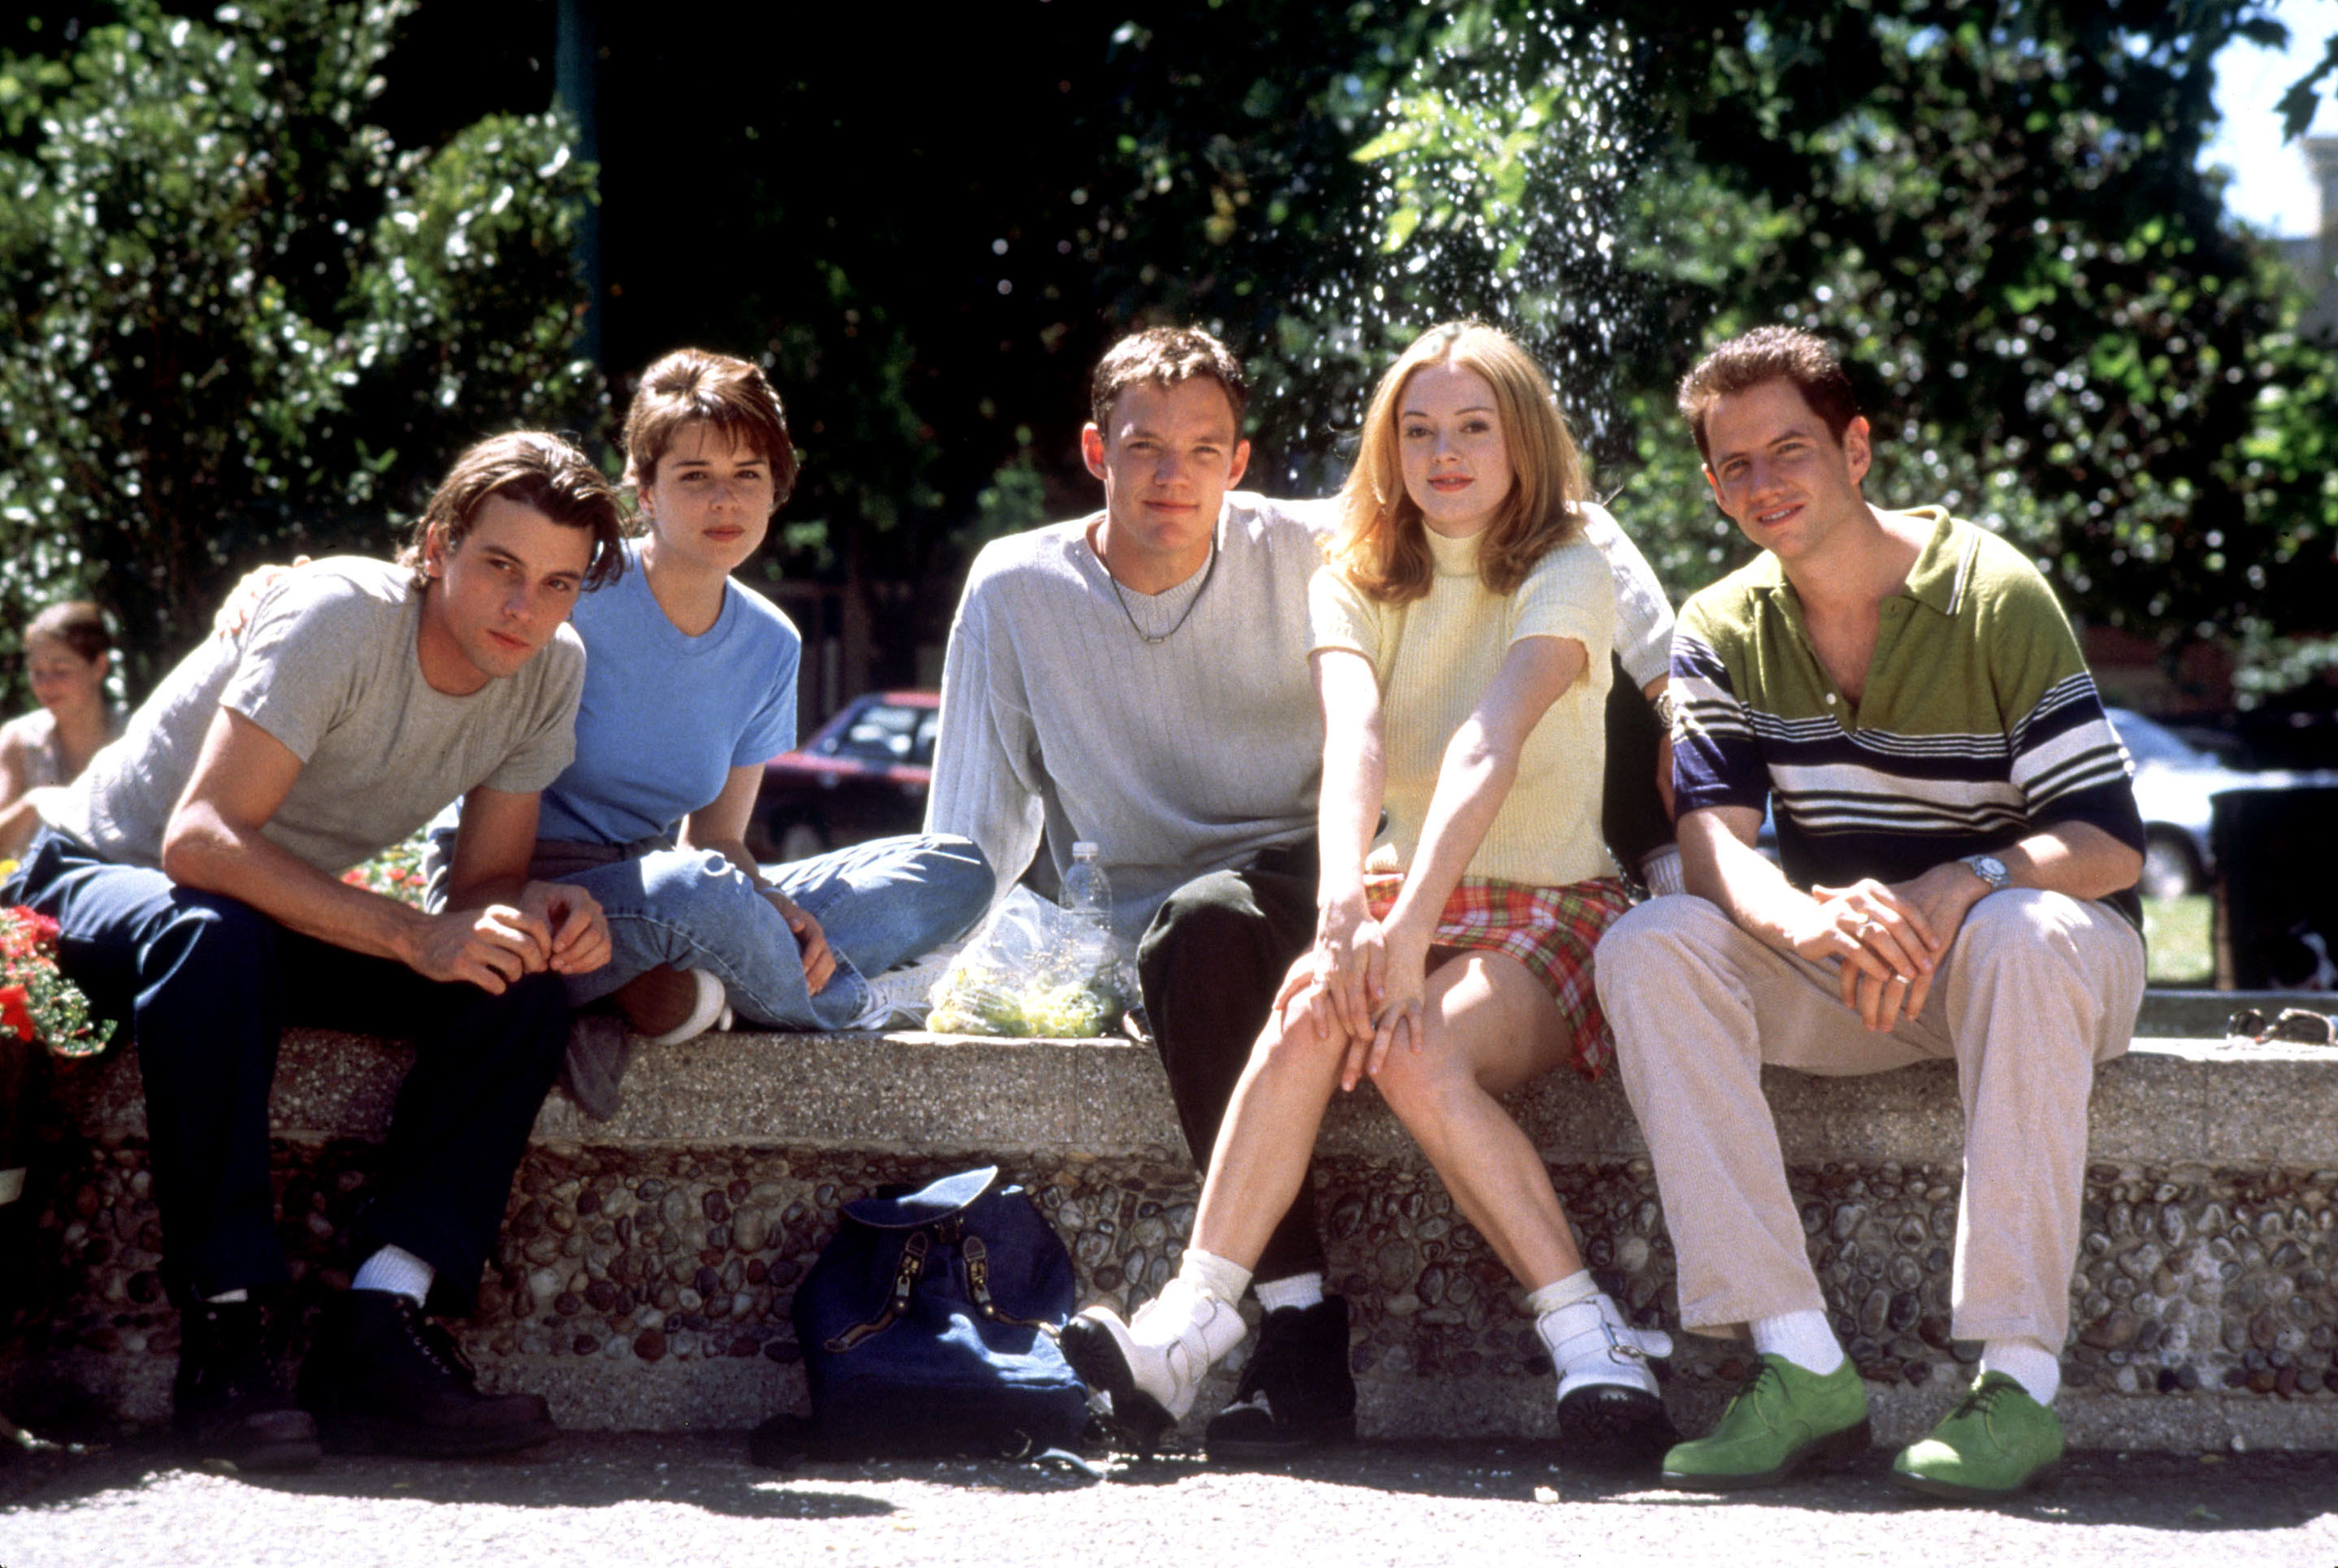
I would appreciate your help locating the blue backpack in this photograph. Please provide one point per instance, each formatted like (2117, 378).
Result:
(928, 1325)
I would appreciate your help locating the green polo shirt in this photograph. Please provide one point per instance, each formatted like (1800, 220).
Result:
(1979, 723)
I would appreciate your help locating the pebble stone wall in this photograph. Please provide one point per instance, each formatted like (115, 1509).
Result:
(2189, 1278)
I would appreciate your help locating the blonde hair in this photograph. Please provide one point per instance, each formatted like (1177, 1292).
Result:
(1380, 546)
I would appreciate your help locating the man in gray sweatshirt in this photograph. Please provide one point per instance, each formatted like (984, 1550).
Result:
(1138, 679)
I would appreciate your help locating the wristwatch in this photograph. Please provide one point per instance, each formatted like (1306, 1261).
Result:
(1667, 708)
(1991, 870)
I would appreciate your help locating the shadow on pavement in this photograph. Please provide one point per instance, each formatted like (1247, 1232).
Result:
(704, 1471)
(2179, 1493)
(2174, 1494)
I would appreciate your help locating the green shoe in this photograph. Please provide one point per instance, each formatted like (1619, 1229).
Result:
(1783, 1418)
(1997, 1441)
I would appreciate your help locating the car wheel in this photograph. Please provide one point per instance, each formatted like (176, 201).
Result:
(2170, 869)
(801, 841)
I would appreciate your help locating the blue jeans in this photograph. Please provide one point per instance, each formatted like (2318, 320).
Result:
(881, 903)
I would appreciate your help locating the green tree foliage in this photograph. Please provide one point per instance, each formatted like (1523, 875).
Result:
(1366, 171)
(1996, 210)
(240, 322)
(2299, 103)
(1994, 204)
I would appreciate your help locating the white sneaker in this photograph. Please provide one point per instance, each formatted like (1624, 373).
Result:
(901, 998)
(1153, 1367)
(711, 1011)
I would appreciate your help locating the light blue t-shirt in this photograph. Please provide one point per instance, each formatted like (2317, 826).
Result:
(666, 717)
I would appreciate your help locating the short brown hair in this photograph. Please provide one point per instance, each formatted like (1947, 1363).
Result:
(1380, 547)
(77, 623)
(695, 387)
(532, 468)
(1770, 354)
(1167, 356)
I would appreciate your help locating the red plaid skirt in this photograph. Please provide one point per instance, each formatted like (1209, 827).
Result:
(1550, 930)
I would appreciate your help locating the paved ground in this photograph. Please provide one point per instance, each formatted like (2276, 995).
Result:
(649, 1500)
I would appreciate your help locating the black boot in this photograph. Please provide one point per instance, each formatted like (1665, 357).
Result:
(1297, 1392)
(229, 1400)
(384, 1377)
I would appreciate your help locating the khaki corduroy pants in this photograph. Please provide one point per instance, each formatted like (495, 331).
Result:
(2035, 989)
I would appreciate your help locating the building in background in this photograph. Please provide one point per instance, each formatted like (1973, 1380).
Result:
(2314, 256)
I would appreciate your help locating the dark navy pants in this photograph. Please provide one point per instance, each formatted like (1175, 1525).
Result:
(208, 984)
(1211, 964)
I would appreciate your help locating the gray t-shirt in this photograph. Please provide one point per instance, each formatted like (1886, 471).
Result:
(327, 665)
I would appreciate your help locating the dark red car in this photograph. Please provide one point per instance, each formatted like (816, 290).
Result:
(862, 775)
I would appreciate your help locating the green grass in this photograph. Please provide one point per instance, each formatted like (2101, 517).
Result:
(2177, 932)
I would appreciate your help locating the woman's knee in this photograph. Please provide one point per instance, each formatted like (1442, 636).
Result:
(1422, 1082)
(678, 879)
(1297, 1049)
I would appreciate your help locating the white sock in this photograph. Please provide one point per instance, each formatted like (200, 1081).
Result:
(1662, 870)
(226, 1297)
(396, 1268)
(1575, 1287)
(1300, 1290)
(1214, 1276)
(2028, 1362)
(1801, 1338)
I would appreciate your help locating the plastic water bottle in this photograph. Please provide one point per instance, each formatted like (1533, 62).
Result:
(1087, 891)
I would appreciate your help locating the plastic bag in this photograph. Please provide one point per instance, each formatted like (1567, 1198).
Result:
(1037, 971)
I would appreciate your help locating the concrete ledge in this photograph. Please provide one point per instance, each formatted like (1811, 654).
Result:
(2171, 1010)
(2167, 1101)
(649, 1261)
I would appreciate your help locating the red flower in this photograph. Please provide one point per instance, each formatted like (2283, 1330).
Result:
(16, 1015)
(24, 933)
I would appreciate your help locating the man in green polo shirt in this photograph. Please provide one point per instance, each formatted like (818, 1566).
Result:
(1959, 847)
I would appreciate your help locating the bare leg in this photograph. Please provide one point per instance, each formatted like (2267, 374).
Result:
(1268, 1135)
(1491, 1027)
(1150, 1367)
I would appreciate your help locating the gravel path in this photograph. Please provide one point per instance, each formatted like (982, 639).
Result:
(647, 1499)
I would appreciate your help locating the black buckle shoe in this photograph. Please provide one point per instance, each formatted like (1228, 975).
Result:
(230, 1401)
(1609, 1426)
(383, 1378)
(1296, 1394)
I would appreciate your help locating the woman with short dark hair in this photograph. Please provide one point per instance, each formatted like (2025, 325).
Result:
(689, 687)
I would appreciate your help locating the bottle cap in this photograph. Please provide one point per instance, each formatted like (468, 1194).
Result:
(1084, 851)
